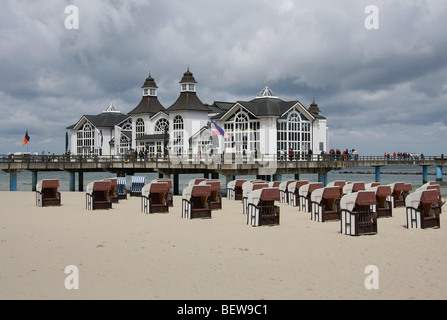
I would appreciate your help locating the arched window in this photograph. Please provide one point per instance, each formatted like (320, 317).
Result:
(293, 132)
(139, 128)
(86, 140)
(244, 132)
(177, 135)
(125, 145)
(127, 126)
(161, 125)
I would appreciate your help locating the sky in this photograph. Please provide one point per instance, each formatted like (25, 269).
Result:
(379, 77)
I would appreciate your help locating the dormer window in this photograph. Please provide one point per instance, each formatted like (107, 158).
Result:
(152, 92)
(192, 87)
(145, 92)
(184, 87)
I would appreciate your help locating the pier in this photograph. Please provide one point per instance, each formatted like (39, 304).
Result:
(267, 167)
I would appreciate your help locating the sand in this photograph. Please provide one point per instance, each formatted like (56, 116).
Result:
(125, 254)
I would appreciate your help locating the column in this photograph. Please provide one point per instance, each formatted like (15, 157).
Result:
(322, 177)
(176, 189)
(33, 180)
(424, 174)
(72, 181)
(13, 180)
(377, 174)
(81, 181)
(439, 174)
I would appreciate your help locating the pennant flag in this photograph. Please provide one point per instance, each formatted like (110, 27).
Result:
(216, 130)
(25, 141)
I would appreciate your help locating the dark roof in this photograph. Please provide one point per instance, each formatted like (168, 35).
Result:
(267, 106)
(149, 83)
(188, 101)
(106, 119)
(188, 77)
(219, 106)
(148, 105)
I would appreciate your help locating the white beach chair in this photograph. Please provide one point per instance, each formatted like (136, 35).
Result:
(262, 210)
(357, 213)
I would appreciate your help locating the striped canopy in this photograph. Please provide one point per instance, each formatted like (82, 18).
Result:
(138, 180)
(121, 181)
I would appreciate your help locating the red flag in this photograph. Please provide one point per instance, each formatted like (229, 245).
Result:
(25, 141)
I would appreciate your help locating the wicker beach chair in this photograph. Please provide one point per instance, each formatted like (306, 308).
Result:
(324, 205)
(215, 197)
(248, 187)
(397, 197)
(47, 193)
(283, 191)
(98, 195)
(121, 188)
(420, 209)
(234, 189)
(384, 206)
(274, 184)
(113, 189)
(196, 202)
(154, 197)
(197, 181)
(293, 192)
(353, 187)
(340, 184)
(170, 193)
(262, 210)
(305, 192)
(437, 207)
(137, 185)
(357, 213)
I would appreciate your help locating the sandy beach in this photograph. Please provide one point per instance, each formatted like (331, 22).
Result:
(125, 254)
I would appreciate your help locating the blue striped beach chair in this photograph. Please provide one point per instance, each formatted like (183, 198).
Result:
(121, 187)
(137, 186)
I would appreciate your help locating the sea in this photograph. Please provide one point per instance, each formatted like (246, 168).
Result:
(389, 174)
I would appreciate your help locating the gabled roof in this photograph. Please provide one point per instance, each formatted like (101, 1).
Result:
(267, 103)
(107, 119)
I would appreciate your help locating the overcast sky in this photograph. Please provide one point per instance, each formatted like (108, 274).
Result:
(381, 90)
